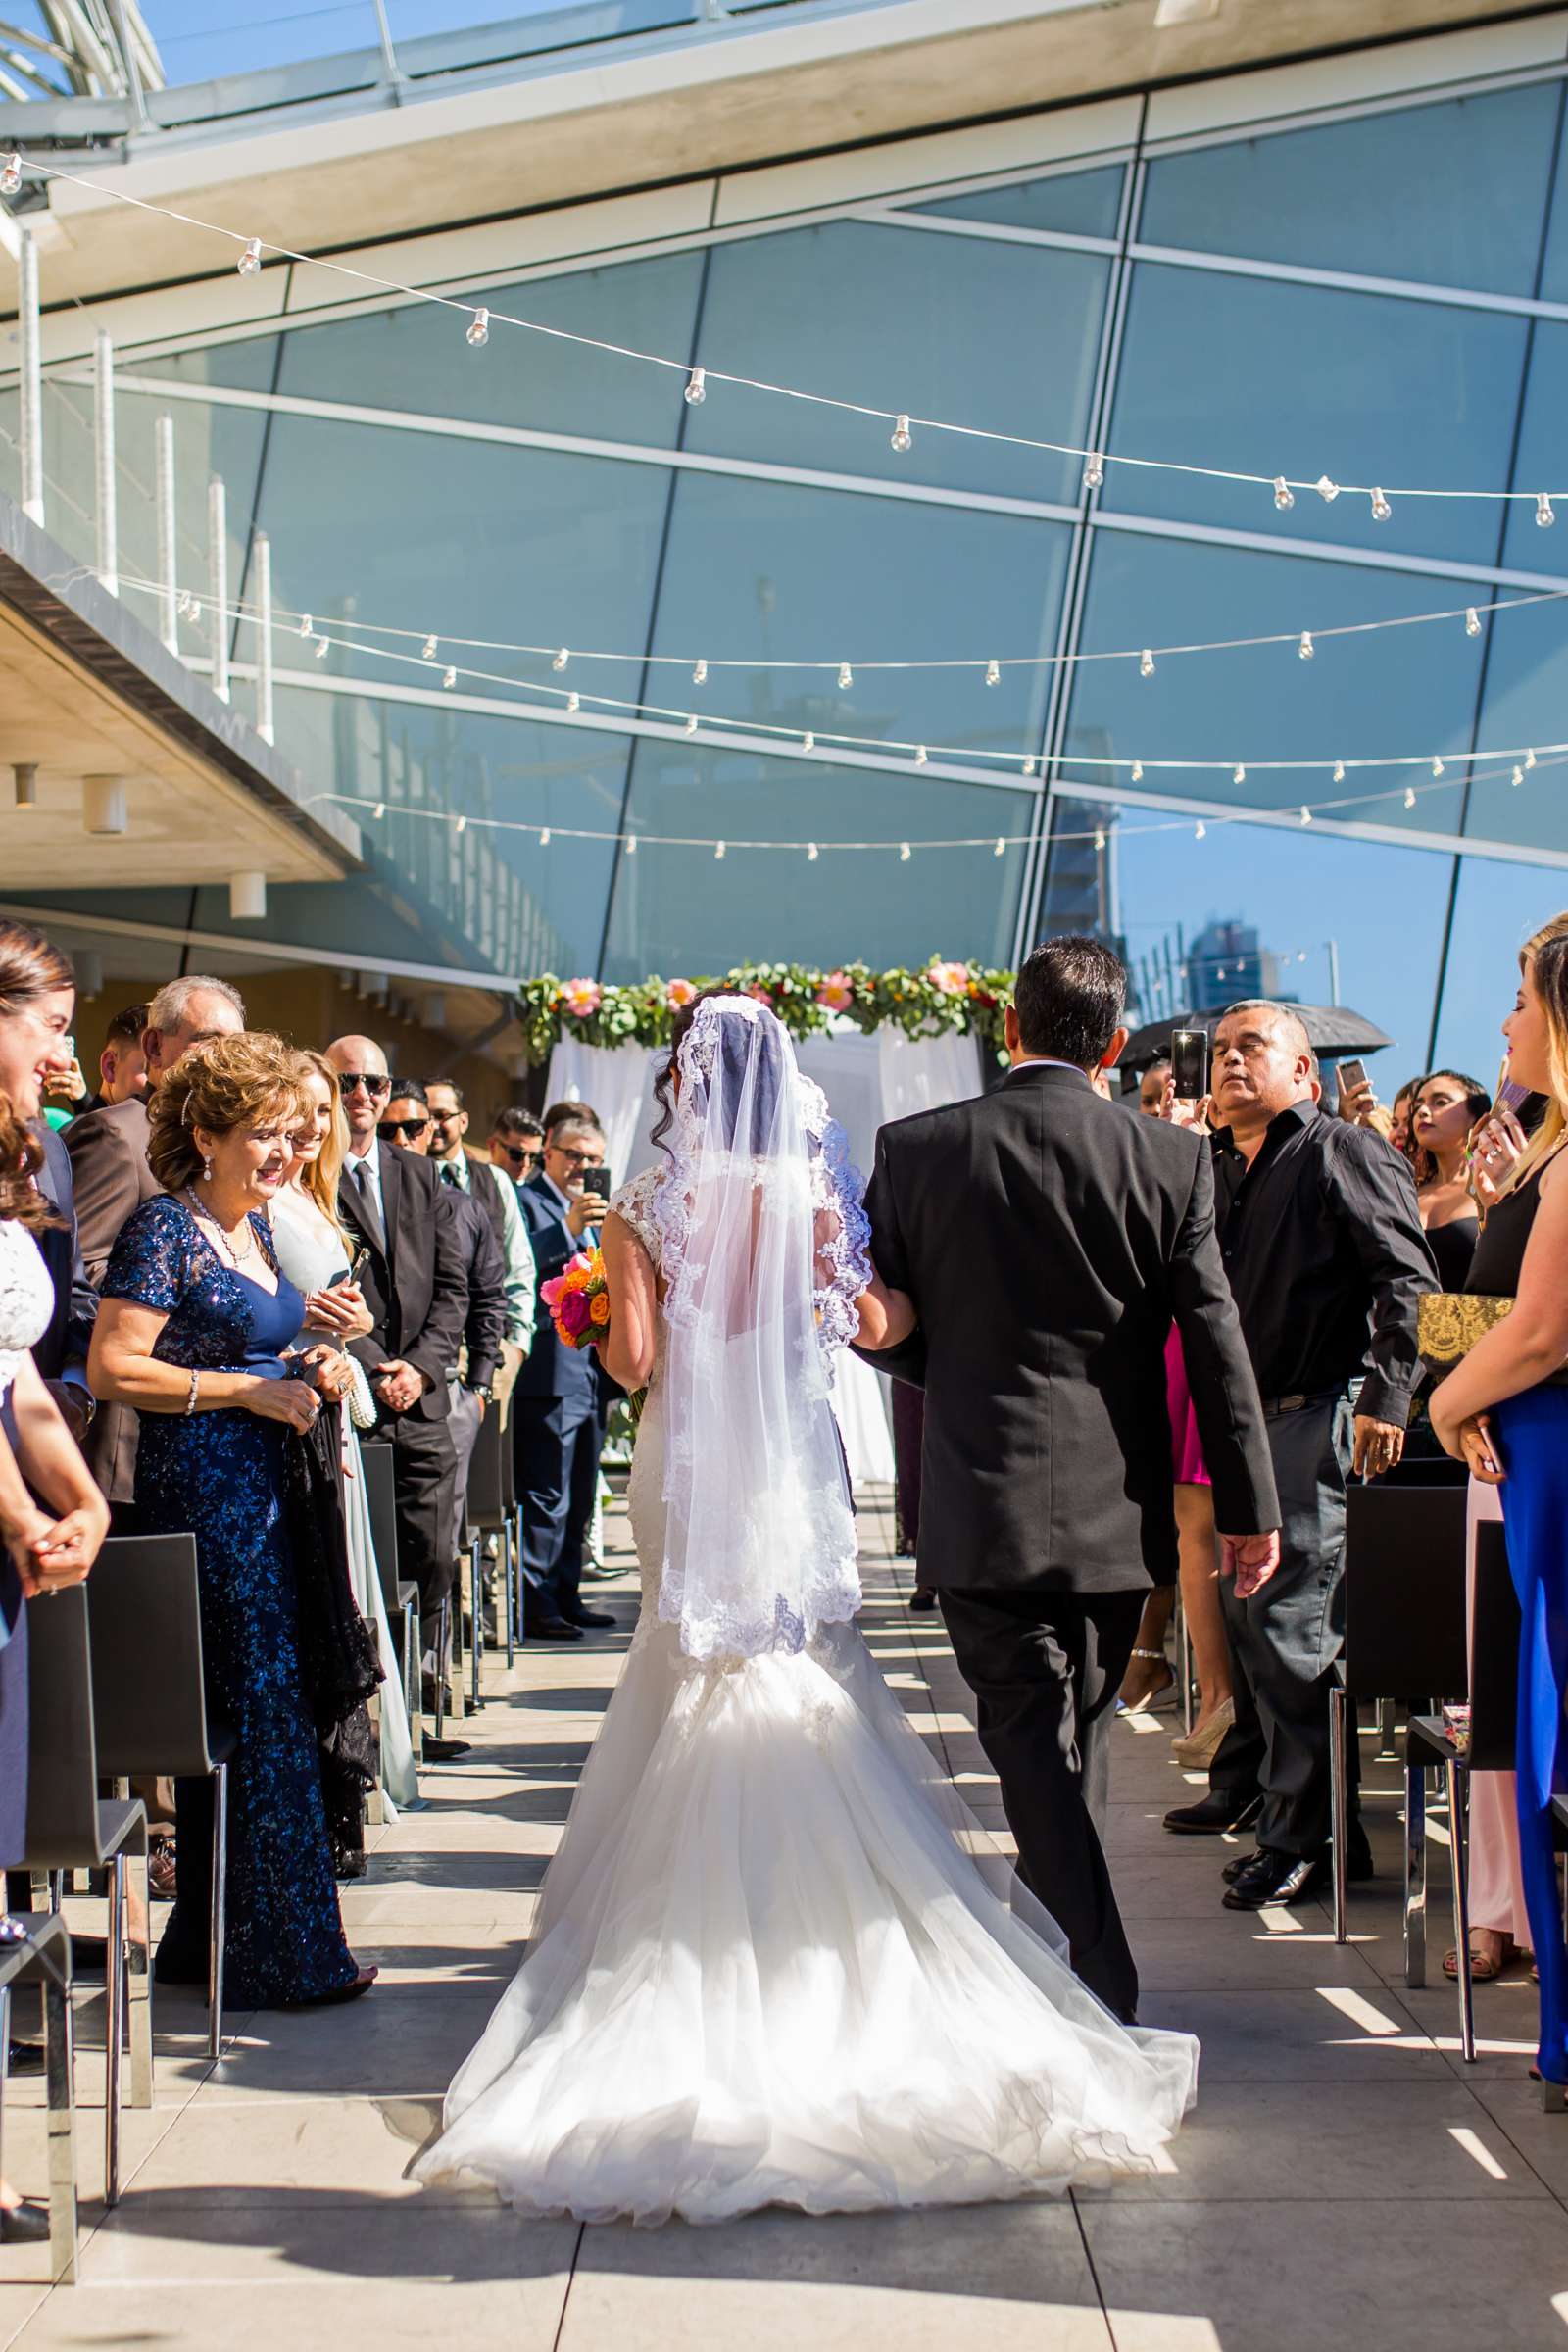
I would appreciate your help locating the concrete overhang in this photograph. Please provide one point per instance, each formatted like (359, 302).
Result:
(87, 690)
(545, 132)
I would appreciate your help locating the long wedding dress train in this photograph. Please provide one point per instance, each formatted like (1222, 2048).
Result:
(770, 1964)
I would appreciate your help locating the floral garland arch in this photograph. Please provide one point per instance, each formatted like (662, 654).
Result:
(940, 996)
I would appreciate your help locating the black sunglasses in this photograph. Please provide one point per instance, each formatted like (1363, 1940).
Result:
(392, 1129)
(522, 1157)
(348, 1080)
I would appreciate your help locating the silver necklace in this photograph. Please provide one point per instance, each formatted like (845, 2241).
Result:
(236, 1257)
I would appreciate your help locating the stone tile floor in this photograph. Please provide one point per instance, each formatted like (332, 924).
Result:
(1344, 2180)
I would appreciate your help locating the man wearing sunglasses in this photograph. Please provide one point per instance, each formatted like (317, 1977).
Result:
(516, 1144)
(416, 1287)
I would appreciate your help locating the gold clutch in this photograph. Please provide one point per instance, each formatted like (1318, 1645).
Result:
(1449, 1323)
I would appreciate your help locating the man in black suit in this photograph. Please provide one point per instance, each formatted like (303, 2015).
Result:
(414, 1286)
(558, 1405)
(1048, 1241)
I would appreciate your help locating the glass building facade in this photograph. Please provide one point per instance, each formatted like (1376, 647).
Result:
(1254, 278)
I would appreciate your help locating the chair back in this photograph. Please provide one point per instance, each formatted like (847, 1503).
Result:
(1495, 1667)
(63, 1821)
(381, 1495)
(486, 1497)
(149, 1690)
(1405, 1597)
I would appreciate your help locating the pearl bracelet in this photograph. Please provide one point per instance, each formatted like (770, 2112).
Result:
(190, 1401)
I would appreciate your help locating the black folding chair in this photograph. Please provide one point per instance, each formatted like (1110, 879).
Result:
(400, 1594)
(43, 1958)
(70, 1827)
(488, 1511)
(149, 1697)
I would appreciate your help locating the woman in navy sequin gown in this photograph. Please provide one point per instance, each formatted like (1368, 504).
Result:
(195, 1319)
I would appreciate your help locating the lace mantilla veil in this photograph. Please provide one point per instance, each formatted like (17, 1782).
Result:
(765, 1249)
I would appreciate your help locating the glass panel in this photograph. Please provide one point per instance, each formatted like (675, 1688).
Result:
(1497, 909)
(1539, 464)
(197, 44)
(1525, 702)
(1272, 378)
(414, 357)
(1471, 176)
(682, 911)
(1555, 262)
(1003, 336)
(1084, 204)
(765, 568)
(1382, 694)
(1170, 897)
(208, 441)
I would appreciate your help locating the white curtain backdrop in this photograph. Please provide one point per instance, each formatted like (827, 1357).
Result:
(868, 1081)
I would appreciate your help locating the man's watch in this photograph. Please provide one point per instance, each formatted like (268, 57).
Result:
(84, 1396)
(483, 1391)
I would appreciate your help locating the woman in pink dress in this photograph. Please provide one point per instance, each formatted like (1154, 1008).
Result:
(1195, 1538)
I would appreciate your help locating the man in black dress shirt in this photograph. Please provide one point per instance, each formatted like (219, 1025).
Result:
(1322, 1240)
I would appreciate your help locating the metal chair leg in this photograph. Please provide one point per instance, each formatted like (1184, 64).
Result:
(443, 1620)
(1388, 1730)
(1459, 1852)
(475, 1619)
(114, 2026)
(60, 2084)
(218, 1924)
(1340, 1810)
(1415, 1875)
(509, 1587)
(523, 1581)
(140, 1984)
(410, 1685)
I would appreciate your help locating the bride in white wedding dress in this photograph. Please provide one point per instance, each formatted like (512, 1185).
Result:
(774, 1961)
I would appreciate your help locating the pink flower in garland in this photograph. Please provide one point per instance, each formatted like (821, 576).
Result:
(680, 994)
(582, 998)
(836, 993)
(950, 979)
(764, 996)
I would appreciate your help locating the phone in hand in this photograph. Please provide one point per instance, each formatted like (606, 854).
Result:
(601, 1184)
(1189, 1064)
(1352, 1075)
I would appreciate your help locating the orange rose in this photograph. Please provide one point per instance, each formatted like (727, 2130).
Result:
(599, 1309)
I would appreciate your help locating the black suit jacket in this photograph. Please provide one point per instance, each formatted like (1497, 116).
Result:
(111, 1177)
(65, 1342)
(414, 1282)
(485, 1274)
(1048, 1241)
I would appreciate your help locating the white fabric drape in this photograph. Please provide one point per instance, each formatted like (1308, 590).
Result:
(619, 1080)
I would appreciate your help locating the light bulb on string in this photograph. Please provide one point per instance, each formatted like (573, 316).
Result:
(699, 674)
(1410, 795)
(250, 260)
(462, 825)
(430, 646)
(1437, 766)
(1543, 513)
(1381, 508)
(1339, 771)
(573, 705)
(1000, 850)
(1029, 768)
(561, 660)
(379, 811)
(449, 678)
(631, 844)
(718, 849)
(1530, 759)
(905, 853)
(993, 673)
(544, 837)
(305, 628)
(478, 334)
(324, 646)
(846, 675)
(1307, 649)
(1100, 837)
(1199, 830)
(1146, 663)
(691, 723)
(1095, 471)
(1327, 490)
(1518, 776)
(1472, 621)
(1238, 773)
(812, 853)
(902, 438)
(1307, 814)
(807, 741)
(696, 386)
(922, 758)
(1283, 495)
(1138, 771)
(10, 175)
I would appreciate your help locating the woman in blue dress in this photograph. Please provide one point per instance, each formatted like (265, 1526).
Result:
(1504, 1411)
(193, 1328)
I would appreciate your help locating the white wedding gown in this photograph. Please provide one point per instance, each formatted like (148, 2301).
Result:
(766, 1968)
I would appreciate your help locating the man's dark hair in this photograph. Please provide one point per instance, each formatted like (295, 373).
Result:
(515, 1122)
(453, 1090)
(1069, 996)
(408, 1090)
(127, 1027)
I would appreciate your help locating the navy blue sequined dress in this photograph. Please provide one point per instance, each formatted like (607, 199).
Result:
(220, 1475)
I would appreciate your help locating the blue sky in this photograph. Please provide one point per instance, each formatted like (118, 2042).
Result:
(198, 41)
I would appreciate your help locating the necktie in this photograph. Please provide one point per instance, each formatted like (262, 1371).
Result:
(448, 1174)
(364, 1200)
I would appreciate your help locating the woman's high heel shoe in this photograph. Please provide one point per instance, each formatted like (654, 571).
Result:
(1199, 1744)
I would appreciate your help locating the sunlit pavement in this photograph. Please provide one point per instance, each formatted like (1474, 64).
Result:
(1345, 2181)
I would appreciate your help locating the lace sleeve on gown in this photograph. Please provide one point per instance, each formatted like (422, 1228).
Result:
(634, 1205)
(150, 1263)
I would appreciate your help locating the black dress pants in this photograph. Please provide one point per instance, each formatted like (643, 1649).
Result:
(425, 1495)
(1286, 1641)
(1045, 1669)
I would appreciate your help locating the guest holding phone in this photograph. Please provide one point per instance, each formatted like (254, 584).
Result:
(1505, 1412)
(1446, 1109)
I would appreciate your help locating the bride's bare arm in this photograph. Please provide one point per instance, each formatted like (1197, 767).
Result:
(885, 1316)
(627, 1354)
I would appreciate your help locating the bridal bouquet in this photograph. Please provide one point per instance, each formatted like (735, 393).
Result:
(578, 1299)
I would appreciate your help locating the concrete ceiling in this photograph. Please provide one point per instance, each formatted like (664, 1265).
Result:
(661, 110)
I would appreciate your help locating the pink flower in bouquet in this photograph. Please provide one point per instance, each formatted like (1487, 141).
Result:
(680, 994)
(835, 994)
(575, 1313)
(764, 996)
(582, 998)
(950, 979)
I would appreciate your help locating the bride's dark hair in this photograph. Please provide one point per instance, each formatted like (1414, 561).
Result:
(764, 1097)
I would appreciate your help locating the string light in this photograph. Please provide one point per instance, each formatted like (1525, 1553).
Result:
(1410, 795)
(905, 853)
(922, 758)
(807, 741)
(631, 844)
(1530, 759)
(1437, 766)
(324, 646)
(561, 660)
(1146, 663)
(691, 723)
(1138, 771)
(1100, 837)
(479, 329)
(1339, 771)
(1238, 773)
(449, 678)
(1029, 766)
(379, 811)
(1472, 621)
(1307, 814)
(1199, 831)
(544, 837)
(1283, 495)
(699, 674)
(1328, 491)
(250, 260)
(305, 628)
(573, 705)
(1381, 508)
(846, 675)
(1543, 513)
(430, 646)
(1518, 776)
(811, 852)
(1094, 470)
(902, 438)
(1305, 648)
(697, 387)
(718, 849)
(461, 826)
(1000, 850)
(10, 175)
(993, 673)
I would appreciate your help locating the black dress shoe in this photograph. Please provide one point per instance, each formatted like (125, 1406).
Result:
(923, 1597)
(1215, 1814)
(1233, 1868)
(1276, 1877)
(24, 2225)
(592, 1618)
(443, 1751)
(553, 1629)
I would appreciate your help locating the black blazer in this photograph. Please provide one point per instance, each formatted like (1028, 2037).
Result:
(551, 1369)
(1048, 1241)
(414, 1278)
(76, 1309)
(484, 1271)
